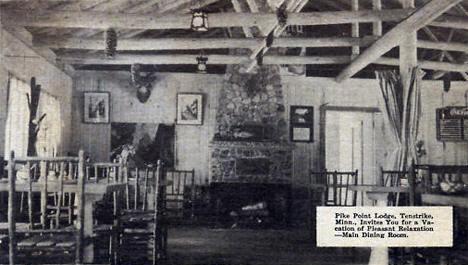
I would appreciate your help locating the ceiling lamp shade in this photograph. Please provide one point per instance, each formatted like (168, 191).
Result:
(199, 20)
(201, 64)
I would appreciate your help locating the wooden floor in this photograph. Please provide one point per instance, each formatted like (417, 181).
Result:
(202, 245)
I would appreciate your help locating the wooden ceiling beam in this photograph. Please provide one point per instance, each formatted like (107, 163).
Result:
(424, 64)
(221, 43)
(197, 43)
(415, 21)
(236, 59)
(103, 20)
(238, 9)
(192, 59)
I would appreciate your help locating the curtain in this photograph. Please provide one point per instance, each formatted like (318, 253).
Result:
(50, 128)
(402, 111)
(17, 124)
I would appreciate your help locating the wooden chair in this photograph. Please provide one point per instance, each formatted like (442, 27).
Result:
(107, 211)
(45, 239)
(144, 232)
(395, 178)
(335, 187)
(330, 188)
(180, 193)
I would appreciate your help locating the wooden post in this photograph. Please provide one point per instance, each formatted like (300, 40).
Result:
(80, 213)
(145, 188)
(127, 190)
(43, 178)
(11, 208)
(377, 26)
(355, 28)
(408, 60)
(137, 186)
(157, 214)
(60, 194)
(193, 194)
(30, 203)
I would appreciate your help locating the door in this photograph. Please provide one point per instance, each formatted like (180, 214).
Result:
(351, 143)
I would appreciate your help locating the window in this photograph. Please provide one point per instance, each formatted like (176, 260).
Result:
(18, 118)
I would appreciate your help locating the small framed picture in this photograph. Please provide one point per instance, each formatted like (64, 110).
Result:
(190, 108)
(96, 107)
(302, 115)
(301, 133)
(301, 123)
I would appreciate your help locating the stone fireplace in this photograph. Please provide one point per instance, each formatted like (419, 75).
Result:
(251, 143)
(251, 158)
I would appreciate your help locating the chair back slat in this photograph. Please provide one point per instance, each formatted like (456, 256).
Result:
(336, 189)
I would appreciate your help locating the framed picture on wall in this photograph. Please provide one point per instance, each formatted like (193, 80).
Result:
(189, 108)
(96, 107)
(301, 122)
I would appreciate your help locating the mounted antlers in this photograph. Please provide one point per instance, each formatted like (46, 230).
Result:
(143, 83)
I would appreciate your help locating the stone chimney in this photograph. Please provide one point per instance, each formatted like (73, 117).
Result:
(251, 100)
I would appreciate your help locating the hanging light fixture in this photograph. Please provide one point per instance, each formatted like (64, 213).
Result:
(201, 63)
(199, 19)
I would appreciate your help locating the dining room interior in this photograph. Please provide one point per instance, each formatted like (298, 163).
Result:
(209, 131)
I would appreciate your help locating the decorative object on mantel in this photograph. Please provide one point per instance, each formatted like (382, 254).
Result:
(111, 42)
(189, 108)
(301, 123)
(199, 19)
(142, 83)
(96, 107)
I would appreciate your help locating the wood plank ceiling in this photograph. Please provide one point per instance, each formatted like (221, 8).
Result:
(340, 38)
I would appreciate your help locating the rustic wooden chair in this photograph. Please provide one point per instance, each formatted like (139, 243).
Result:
(107, 211)
(37, 241)
(395, 178)
(336, 191)
(330, 188)
(144, 232)
(180, 193)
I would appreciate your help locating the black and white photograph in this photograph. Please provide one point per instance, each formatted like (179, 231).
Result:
(189, 109)
(234, 132)
(96, 107)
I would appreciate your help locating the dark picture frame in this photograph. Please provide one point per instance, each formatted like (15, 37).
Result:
(301, 123)
(189, 109)
(96, 107)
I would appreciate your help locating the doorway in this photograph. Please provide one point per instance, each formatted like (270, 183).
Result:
(350, 142)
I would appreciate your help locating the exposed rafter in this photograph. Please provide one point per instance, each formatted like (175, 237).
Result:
(103, 20)
(417, 20)
(80, 59)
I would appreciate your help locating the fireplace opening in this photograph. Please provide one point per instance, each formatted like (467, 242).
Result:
(253, 166)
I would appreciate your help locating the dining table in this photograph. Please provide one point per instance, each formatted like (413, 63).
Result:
(93, 192)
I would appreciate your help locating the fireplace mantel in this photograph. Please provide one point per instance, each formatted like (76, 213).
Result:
(252, 144)
(274, 160)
